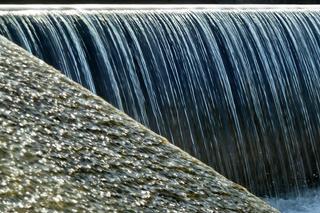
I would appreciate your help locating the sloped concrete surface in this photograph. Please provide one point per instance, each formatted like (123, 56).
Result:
(64, 149)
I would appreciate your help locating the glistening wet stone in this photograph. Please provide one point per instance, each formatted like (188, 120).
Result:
(64, 149)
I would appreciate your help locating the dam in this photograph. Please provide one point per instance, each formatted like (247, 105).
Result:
(237, 88)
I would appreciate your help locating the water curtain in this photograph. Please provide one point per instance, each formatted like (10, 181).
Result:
(238, 89)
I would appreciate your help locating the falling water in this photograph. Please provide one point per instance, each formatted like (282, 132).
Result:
(238, 89)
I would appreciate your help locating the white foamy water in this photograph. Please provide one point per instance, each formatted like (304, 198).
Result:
(308, 202)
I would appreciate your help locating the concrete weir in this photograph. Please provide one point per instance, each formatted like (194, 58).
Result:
(64, 149)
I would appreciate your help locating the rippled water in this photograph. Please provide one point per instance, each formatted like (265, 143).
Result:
(308, 202)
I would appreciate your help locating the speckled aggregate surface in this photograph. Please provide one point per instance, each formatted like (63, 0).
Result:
(62, 149)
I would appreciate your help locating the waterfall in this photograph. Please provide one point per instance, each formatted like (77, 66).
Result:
(238, 89)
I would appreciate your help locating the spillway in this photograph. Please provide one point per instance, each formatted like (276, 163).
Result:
(236, 88)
